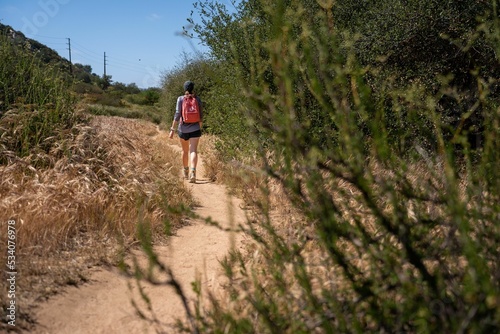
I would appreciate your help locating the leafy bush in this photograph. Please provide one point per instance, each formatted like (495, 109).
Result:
(149, 97)
(151, 115)
(423, 44)
(110, 99)
(86, 88)
(397, 234)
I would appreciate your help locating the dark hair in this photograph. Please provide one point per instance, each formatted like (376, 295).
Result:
(189, 86)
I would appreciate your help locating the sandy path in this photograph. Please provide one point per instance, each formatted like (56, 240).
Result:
(104, 304)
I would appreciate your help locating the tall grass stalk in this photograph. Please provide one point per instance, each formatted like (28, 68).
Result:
(36, 104)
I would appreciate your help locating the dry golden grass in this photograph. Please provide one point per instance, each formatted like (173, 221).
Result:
(295, 231)
(104, 178)
(243, 178)
(212, 161)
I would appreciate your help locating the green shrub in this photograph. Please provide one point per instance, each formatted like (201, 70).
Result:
(110, 98)
(395, 225)
(399, 207)
(149, 97)
(151, 115)
(86, 88)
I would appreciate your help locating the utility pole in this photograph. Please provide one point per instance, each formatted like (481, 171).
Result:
(104, 64)
(105, 77)
(70, 64)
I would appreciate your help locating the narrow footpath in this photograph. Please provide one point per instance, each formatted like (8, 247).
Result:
(104, 304)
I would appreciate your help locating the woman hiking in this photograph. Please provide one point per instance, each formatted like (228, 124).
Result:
(188, 116)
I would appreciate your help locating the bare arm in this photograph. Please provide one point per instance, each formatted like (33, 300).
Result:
(172, 129)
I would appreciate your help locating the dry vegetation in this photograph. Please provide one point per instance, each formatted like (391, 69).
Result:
(288, 266)
(107, 175)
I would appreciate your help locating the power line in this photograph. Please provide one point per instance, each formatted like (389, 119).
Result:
(82, 52)
(128, 69)
(52, 43)
(88, 56)
(87, 50)
(60, 50)
(123, 65)
(35, 37)
(85, 61)
(132, 63)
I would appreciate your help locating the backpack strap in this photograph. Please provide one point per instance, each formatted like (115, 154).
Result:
(182, 104)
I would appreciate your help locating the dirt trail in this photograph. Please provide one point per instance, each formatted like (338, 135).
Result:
(104, 304)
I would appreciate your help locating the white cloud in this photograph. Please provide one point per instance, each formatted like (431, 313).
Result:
(154, 17)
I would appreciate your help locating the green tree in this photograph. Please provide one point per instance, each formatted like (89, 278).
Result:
(419, 43)
(133, 89)
(105, 81)
(441, 40)
(151, 96)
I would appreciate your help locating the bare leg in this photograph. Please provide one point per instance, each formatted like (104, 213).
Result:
(185, 152)
(193, 156)
(193, 151)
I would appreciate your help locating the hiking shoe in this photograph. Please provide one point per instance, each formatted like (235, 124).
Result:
(192, 177)
(186, 172)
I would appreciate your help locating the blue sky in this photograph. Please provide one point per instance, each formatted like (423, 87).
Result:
(141, 38)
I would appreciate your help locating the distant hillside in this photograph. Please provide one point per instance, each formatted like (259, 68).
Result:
(81, 72)
(46, 54)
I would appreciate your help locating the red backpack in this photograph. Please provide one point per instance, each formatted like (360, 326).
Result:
(190, 109)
